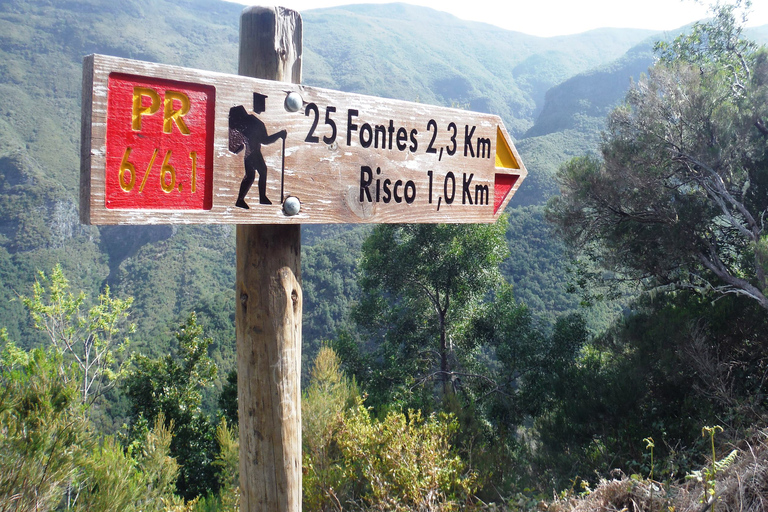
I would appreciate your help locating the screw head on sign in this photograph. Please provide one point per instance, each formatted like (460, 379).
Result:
(291, 206)
(293, 102)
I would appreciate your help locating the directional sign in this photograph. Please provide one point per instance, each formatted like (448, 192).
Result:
(164, 145)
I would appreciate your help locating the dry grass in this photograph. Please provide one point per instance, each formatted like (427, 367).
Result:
(742, 487)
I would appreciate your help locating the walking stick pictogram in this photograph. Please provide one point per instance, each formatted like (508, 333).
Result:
(282, 175)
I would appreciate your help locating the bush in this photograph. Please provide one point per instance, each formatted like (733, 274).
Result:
(50, 454)
(116, 479)
(404, 462)
(329, 394)
(354, 461)
(45, 432)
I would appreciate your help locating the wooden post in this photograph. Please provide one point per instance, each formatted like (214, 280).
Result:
(269, 303)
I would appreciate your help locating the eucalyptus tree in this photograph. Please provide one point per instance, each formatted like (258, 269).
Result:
(679, 196)
(94, 339)
(421, 285)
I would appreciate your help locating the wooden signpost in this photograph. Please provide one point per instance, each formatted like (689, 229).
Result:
(169, 145)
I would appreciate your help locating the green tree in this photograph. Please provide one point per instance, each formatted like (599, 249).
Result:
(228, 398)
(93, 339)
(420, 287)
(172, 386)
(675, 202)
(716, 43)
(526, 365)
(680, 194)
(528, 360)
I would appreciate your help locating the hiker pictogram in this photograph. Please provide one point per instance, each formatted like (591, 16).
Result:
(246, 131)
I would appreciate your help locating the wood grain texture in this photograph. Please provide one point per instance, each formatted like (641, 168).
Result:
(269, 306)
(444, 156)
(268, 318)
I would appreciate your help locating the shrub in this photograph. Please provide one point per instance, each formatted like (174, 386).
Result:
(44, 432)
(356, 462)
(116, 479)
(329, 394)
(404, 462)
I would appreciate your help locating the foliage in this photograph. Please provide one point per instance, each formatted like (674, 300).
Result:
(329, 284)
(228, 399)
(93, 339)
(404, 462)
(354, 461)
(228, 464)
(679, 194)
(172, 386)
(708, 476)
(118, 480)
(324, 402)
(427, 285)
(716, 43)
(674, 204)
(190, 269)
(420, 286)
(528, 361)
(526, 367)
(672, 363)
(45, 432)
(650, 445)
(50, 454)
(537, 262)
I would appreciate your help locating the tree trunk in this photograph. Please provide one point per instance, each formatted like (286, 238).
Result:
(444, 368)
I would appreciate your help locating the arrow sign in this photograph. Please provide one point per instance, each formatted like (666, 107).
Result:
(163, 144)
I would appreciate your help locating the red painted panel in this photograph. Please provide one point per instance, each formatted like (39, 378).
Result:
(159, 144)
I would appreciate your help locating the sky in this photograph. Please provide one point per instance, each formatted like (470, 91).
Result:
(558, 17)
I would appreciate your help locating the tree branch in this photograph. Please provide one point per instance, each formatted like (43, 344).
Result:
(736, 285)
(718, 192)
(760, 124)
(449, 374)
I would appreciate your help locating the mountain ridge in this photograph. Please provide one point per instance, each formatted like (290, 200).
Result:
(510, 71)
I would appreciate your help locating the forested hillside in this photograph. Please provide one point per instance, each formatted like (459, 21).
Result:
(549, 379)
(392, 50)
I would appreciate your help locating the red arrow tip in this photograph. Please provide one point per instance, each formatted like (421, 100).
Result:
(502, 185)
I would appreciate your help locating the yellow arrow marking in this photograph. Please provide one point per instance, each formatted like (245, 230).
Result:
(504, 157)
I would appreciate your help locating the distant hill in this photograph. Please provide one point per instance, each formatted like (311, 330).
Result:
(572, 117)
(574, 103)
(418, 54)
(574, 113)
